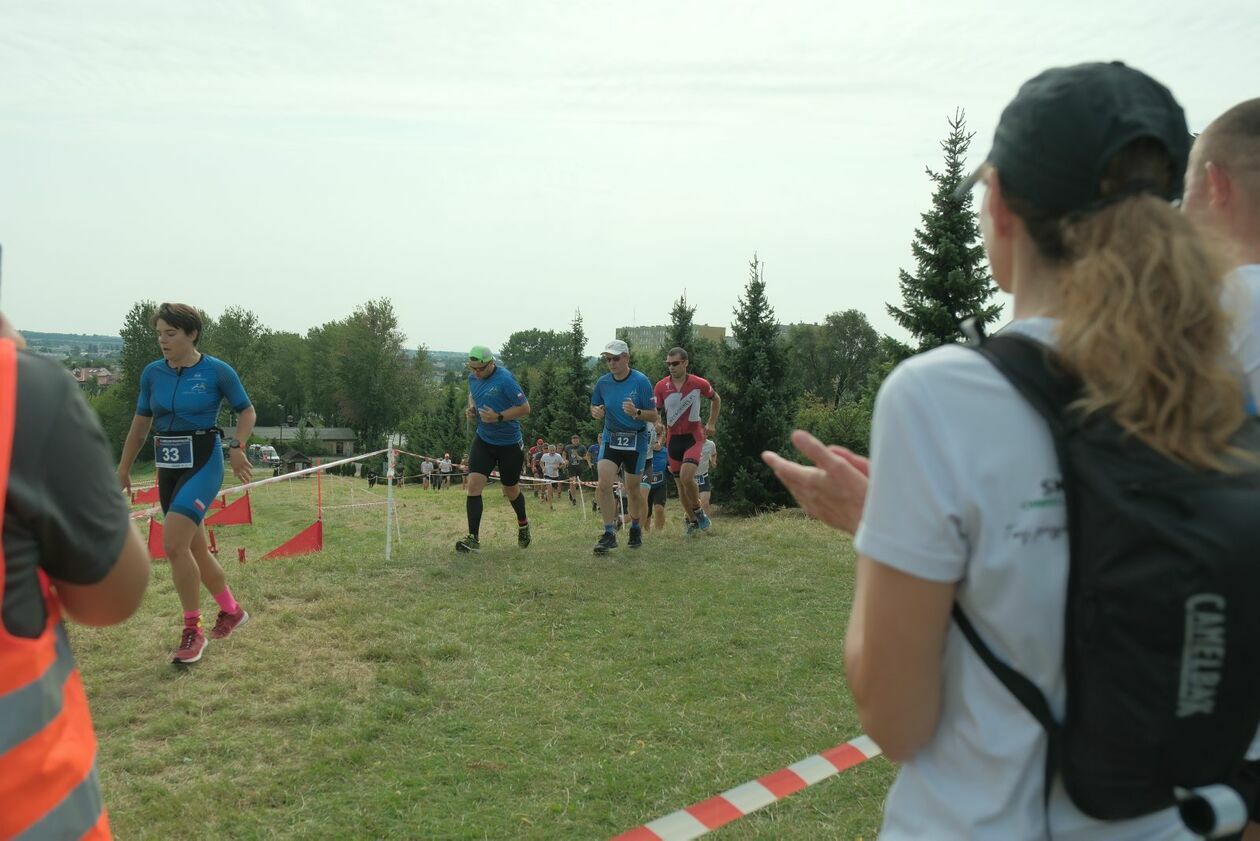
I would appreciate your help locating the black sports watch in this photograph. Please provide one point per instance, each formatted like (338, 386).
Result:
(234, 444)
(500, 417)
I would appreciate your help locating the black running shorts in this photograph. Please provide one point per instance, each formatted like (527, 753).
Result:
(508, 458)
(684, 449)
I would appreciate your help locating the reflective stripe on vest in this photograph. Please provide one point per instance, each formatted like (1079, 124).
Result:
(26, 711)
(48, 782)
(73, 817)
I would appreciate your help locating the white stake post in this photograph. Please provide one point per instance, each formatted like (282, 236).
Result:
(389, 506)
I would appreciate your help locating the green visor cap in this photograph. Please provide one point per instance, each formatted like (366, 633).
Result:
(480, 353)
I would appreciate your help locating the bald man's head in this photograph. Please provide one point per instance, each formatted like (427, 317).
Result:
(1223, 179)
(1233, 139)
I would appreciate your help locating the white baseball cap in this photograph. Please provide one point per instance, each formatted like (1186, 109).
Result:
(616, 347)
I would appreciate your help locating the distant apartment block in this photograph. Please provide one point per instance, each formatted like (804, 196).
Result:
(650, 338)
(103, 377)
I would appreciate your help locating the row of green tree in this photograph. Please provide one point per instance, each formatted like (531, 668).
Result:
(357, 372)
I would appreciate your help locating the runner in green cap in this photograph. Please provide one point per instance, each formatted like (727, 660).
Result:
(496, 402)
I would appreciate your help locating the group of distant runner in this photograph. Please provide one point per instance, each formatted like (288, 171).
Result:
(648, 430)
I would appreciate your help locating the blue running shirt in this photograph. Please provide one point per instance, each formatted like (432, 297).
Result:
(659, 471)
(185, 399)
(498, 393)
(610, 394)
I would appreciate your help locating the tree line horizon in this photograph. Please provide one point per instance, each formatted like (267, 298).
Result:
(356, 372)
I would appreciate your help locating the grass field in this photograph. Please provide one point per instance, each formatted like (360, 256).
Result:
(543, 694)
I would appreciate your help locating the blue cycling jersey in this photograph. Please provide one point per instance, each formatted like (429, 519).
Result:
(611, 393)
(184, 399)
(498, 392)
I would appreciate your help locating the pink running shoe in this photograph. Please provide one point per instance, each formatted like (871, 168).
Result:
(192, 644)
(228, 622)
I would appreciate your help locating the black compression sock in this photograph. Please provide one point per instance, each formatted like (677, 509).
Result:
(473, 505)
(518, 505)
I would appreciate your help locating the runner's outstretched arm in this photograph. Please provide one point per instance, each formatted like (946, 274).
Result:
(714, 408)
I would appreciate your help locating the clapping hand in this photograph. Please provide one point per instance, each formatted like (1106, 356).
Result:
(834, 490)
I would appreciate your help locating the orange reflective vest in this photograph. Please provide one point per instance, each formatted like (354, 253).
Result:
(48, 782)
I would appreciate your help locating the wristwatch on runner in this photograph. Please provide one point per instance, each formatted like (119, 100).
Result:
(234, 444)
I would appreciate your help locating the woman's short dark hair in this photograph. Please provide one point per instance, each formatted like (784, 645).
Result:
(181, 317)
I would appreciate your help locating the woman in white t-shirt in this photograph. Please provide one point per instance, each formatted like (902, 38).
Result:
(965, 500)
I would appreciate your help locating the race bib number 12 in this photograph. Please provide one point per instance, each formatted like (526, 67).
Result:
(623, 440)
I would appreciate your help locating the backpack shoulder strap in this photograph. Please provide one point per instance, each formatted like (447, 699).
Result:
(1024, 690)
(1028, 365)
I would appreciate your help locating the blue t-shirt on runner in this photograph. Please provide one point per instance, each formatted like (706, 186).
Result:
(498, 393)
(187, 399)
(658, 472)
(611, 393)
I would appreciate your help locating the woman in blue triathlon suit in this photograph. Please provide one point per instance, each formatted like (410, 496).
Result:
(181, 393)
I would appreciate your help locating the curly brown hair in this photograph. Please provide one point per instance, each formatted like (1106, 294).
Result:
(1141, 315)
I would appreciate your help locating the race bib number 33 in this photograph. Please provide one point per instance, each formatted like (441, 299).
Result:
(173, 450)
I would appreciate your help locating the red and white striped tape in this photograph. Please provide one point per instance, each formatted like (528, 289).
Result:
(271, 480)
(707, 815)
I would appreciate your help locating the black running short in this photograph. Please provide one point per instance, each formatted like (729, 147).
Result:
(508, 458)
(575, 471)
(683, 449)
(657, 495)
(190, 490)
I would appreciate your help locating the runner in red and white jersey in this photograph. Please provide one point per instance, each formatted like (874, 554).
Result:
(678, 398)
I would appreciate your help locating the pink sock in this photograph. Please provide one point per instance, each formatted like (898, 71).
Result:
(226, 603)
(192, 618)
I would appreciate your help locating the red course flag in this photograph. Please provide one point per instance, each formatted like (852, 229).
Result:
(310, 539)
(238, 513)
(156, 552)
(144, 496)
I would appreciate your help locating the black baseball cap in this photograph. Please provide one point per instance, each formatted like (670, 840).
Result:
(1056, 137)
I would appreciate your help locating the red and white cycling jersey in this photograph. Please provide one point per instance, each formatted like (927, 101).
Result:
(681, 406)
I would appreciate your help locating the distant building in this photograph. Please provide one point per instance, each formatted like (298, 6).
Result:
(651, 338)
(101, 376)
(339, 438)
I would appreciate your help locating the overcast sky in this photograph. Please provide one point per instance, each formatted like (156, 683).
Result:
(493, 167)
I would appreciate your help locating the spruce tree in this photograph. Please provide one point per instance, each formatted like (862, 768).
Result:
(681, 332)
(573, 391)
(951, 281)
(454, 432)
(755, 405)
(545, 404)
